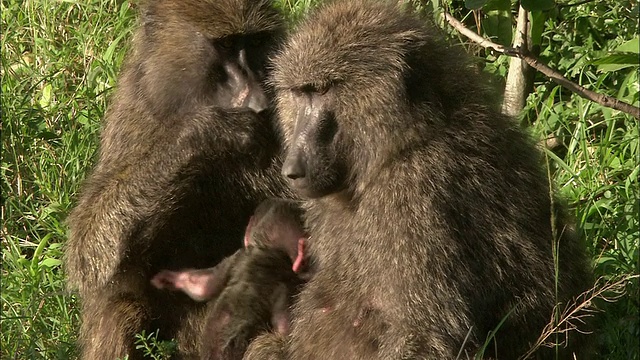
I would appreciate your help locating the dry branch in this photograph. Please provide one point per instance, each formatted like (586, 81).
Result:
(576, 312)
(555, 76)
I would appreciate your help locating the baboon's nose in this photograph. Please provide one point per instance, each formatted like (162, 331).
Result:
(294, 167)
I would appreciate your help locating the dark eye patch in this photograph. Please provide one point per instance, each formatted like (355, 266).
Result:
(313, 88)
(256, 41)
(226, 42)
(327, 129)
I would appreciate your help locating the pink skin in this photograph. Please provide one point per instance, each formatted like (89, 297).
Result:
(298, 263)
(247, 233)
(280, 322)
(200, 285)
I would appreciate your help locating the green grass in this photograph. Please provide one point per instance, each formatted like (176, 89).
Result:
(60, 61)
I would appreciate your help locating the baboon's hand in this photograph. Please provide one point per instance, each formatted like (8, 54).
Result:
(257, 129)
(243, 134)
(256, 136)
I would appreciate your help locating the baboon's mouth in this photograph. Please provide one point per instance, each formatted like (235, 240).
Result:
(304, 187)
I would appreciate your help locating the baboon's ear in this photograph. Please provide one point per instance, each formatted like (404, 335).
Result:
(247, 232)
(298, 256)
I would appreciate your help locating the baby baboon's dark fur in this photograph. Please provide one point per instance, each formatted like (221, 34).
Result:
(184, 160)
(257, 297)
(429, 211)
(250, 291)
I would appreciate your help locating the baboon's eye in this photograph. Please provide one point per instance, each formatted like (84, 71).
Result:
(313, 88)
(256, 41)
(259, 39)
(226, 43)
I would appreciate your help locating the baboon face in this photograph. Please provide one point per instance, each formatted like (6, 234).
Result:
(339, 88)
(312, 164)
(219, 62)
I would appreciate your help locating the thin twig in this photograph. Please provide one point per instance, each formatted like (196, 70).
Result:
(576, 312)
(555, 76)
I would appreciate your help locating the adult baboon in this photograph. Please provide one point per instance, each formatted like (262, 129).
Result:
(186, 154)
(429, 213)
(250, 291)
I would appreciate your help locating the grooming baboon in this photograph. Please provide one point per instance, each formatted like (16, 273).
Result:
(186, 154)
(251, 290)
(429, 212)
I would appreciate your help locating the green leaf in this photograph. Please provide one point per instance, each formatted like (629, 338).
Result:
(498, 27)
(50, 262)
(108, 54)
(616, 61)
(45, 98)
(497, 5)
(631, 46)
(82, 118)
(474, 4)
(41, 246)
(538, 5)
(618, 58)
(628, 88)
(537, 19)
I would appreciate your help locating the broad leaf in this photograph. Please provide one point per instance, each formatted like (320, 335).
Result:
(616, 61)
(632, 46)
(537, 20)
(497, 26)
(474, 4)
(497, 5)
(538, 5)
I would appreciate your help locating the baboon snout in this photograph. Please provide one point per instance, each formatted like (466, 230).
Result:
(295, 166)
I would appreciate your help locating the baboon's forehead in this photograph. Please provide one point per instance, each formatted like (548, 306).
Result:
(346, 39)
(357, 23)
(218, 18)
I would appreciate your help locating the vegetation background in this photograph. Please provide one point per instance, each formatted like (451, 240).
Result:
(60, 61)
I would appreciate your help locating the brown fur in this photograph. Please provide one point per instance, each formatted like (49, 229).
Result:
(429, 211)
(180, 171)
(256, 298)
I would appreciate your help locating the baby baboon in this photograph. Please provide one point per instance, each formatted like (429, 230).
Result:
(186, 155)
(251, 290)
(429, 213)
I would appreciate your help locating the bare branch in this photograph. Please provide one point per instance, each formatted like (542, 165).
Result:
(519, 82)
(555, 76)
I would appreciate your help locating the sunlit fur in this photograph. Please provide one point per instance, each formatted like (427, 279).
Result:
(177, 178)
(443, 226)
